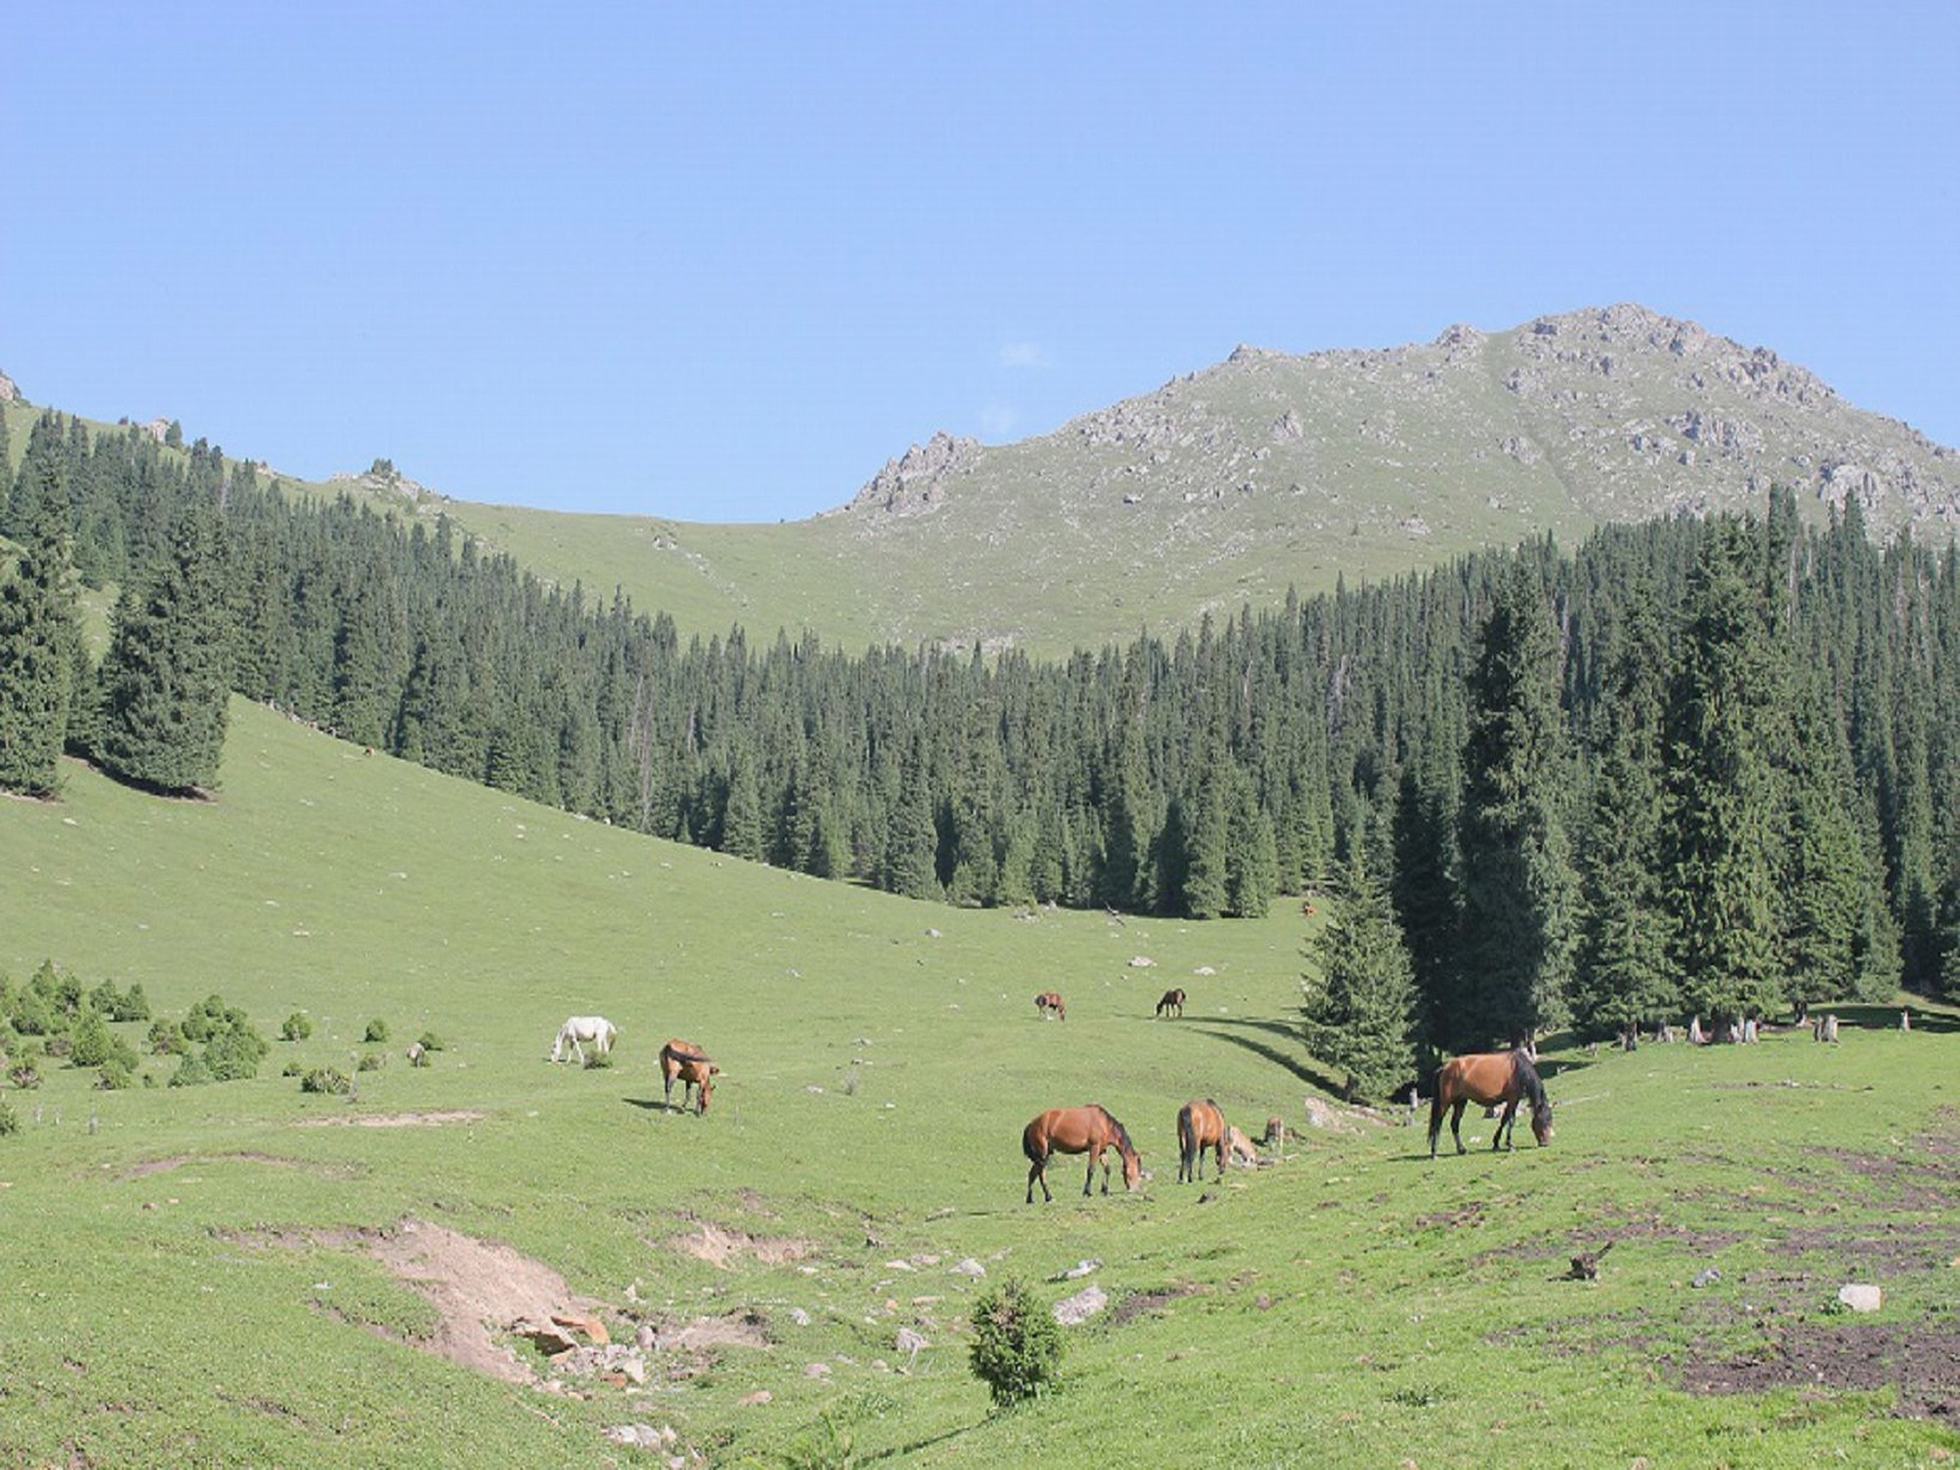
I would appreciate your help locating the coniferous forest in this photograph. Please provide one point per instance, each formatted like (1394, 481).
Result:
(1690, 767)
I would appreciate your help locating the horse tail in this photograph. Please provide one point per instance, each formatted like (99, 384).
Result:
(1187, 1141)
(1029, 1142)
(1438, 1105)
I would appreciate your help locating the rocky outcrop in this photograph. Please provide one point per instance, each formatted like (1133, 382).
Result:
(915, 481)
(9, 393)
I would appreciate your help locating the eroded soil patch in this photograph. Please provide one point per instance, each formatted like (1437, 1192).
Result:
(394, 1120)
(721, 1247)
(1137, 1303)
(1922, 1363)
(149, 1168)
(478, 1288)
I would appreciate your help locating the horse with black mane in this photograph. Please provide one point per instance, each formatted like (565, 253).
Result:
(1088, 1130)
(684, 1062)
(1050, 1003)
(1173, 1000)
(1200, 1126)
(1490, 1078)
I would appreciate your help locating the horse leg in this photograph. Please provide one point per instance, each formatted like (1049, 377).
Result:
(1089, 1179)
(1456, 1123)
(1506, 1125)
(1218, 1149)
(1038, 1169)
(1436, 1106)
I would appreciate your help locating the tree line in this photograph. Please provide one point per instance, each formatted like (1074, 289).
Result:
(1690, 765)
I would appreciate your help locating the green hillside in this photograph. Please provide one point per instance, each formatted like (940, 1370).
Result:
(190, 1282)
(1265, 472)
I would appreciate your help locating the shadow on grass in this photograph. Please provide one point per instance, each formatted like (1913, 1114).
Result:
(654, 1105)
(1301, 1065)
(914, 1446)
(1886, 1017)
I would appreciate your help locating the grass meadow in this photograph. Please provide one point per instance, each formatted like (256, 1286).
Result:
(190, 1276)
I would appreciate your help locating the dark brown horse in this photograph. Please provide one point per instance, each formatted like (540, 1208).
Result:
(687, 1063)
(1088, 1131)
(1173, 1000)
(1200, 1126)
(1490, 1078)
(1050, 1003)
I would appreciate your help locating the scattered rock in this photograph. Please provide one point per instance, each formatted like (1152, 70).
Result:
(642, 1436)
(800, 1317)
(592, 1327)
(1204, 970)
(549, 1338)
(1861, 1298)
(969, 1267)
(751, 1400)
(643, 1339)
(1707, 1277)
(1078, 1271)
(934, 934)
(817, 1370)
(1073, 1311)
(909, 1341)
(1142, 962)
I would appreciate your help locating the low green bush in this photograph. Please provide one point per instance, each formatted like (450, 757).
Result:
(372, 1062)
(191, 1072)
(167, 1039)
(296, 1027)
(430, 1041)
(1017, 1344)
(328, 1080)
(24, 1076)
(115, 1077)
(377, 1030)
(9, 1120)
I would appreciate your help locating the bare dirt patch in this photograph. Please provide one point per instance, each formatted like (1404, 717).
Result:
(1878, 1248)
(1921, 1363)
(741, 1329)
(149, 1168)
(1137, 1303)
(1907, 1183)
(721, 1247)
(395, 1120)
(477, 1287)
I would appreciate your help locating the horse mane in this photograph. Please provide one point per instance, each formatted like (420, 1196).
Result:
(1527, 1076)
(1122, 1133)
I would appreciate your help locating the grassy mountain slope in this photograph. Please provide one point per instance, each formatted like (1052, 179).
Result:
(1268, 470)
(187, 1285)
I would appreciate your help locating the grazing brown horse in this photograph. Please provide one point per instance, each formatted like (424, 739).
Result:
(1088, 1131)
(1490, 1078)
(1050, 1002)
(1173, 1001)
(685, 1061)
(1200, 1126)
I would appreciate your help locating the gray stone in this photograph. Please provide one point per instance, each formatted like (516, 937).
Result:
(1861, 1298)
(969, 1267)
(1073, 1311)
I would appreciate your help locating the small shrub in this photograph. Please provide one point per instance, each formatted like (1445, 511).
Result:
(132, 1005)
(23, 1076)
(149, 1079)
(9, 1120)
(33, 1014)
(372, 1062)
(167, 1039)
(233, 1054)
(104, 999)
(115, 1077)
(60, 1046)
(296, 1027)
(92, 1042)
(430, 1041)
(62, 992)
(377, 1030)
(594, 1060)
(191, 1072)
(210, 1016)
(292, 1069)
(330, 1081)
(1017, 1344)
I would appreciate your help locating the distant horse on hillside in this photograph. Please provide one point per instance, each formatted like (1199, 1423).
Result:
(685, 1062)
(1173, 1000)
(1200, 1126)
(596, 1031)
(1087, 1130)
(1050, 1003)
(1490, 1078)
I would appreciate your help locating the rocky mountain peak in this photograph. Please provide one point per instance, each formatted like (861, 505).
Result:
(914, 482)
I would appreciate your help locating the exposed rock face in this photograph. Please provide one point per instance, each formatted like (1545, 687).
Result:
(912, 482)
(8, 392)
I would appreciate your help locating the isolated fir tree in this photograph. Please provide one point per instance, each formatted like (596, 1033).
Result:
(1720, 823)
(1518, 890)
(1360, 1009)
(163, 682)
(40, 641)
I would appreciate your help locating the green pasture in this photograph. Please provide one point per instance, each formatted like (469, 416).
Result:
(179, 1284)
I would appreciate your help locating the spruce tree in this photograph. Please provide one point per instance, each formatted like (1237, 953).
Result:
(1825, 883)
(1251, 854)
(911, 848)
(40, 641)
(164, 689)
(741, 819)
(1206, 833)
(1720, 797)
(1518, 890)
(1360, 1009)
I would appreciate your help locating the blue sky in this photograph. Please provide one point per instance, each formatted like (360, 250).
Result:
(720, 262)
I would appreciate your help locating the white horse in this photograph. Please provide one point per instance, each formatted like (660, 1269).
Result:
(596, 1031)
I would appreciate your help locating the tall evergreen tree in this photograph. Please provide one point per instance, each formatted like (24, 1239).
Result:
(1720, 798)
(1518, 890)
(40, 639)
(164, 682)
(910, 866)
(1359, 1011)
